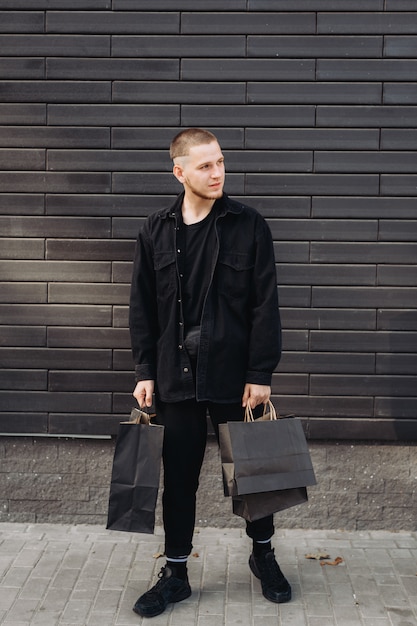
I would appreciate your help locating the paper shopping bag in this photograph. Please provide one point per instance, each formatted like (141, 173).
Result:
(264, 455)
(255, 506)
(135, 475)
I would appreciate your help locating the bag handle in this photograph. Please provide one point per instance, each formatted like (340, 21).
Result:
(137, 416)
(272, 413)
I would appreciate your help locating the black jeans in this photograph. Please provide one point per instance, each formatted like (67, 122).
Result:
(185, 438)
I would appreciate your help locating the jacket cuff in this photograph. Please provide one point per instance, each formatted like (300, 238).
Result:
(259, 378)
(144, 372)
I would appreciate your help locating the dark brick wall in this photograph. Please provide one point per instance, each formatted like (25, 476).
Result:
(315, 105)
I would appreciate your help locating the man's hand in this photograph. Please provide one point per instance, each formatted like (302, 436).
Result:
(143, 392)
(255, 394)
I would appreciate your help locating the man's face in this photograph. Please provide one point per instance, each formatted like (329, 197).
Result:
(202, 171)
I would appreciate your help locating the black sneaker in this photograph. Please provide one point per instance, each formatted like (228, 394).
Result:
(275, 587)
(168, 589)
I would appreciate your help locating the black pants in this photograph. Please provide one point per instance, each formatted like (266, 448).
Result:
(184, 446)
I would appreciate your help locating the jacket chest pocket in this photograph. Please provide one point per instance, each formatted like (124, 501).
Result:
(165, 274)
(234, 273)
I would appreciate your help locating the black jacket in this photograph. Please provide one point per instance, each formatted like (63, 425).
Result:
(240, 326)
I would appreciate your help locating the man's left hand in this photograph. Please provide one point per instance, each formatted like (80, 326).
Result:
(255, 394)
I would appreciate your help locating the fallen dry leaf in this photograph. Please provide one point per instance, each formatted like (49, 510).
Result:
(158, 555)
(318, 556)
(337, 561)
(195, 555)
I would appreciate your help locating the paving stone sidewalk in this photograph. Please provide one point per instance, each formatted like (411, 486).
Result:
(56, 575)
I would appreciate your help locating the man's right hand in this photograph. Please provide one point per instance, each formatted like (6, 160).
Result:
(143, 392)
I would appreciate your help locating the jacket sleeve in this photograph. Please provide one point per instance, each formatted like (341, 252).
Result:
(143, 318)
(265, 335)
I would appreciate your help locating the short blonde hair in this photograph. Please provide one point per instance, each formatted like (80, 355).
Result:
(188, 138)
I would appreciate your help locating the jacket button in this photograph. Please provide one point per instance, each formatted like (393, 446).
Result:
(180, 347)
(186, 369)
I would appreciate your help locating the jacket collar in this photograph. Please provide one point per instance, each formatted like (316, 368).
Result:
(222, 206)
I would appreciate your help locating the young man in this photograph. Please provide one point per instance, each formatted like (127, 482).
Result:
(206, 336)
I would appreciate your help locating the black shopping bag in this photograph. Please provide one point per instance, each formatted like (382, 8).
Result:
(135, 475)
(253, 506)
(263, 455)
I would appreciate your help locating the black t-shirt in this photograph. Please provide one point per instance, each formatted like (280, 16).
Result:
(197, 244)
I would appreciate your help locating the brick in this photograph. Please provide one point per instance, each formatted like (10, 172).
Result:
(370, 252)
(294, 296)
(398, 185)
(22, 248)
(312, 138)
(56, 315)
(83, 424)
(364, 297)
(25, 423)
(367, 23)
(117, 115)
(396, 320)
(112, 69)
(121, 316)
(398, 139)
(278, 206)
(29, 336)
(310, 274)
(249, 69)
(355, 69)
(34, 226)
(306, 93)
(364, 207)
(179, 46)
(396, 407)
(55, 91)
(13, 293)
(86, 293)
(160, 138)
(295, 340)
(55, 182)
(320, 406)
(25, 114)
(181, 5)
(396, 364)
(113, 338)
(17, 159)
(108, 160)
(26, 380)
(122, 273)
(122, 360)
(290, 383)
(102, 205)
(102, 22)
(22, 68)
(90, 381)
(316, 362)
(402, 47)
(57, 4)
(291, 252)
(367, 116)
(314, 46)
(325, 319)
(348, 385)
(55, 45)
(51, 137)
(362, 341)
(319, 5)
(66, 358)
(400, 93)
(248, 23)
(89, 250)
(45, 401)
(16, 203)
(397, 230)
(312, 184)
(365, 161)
(70, 271)
(22, 22)
(184, 92)
(268, 161)
(256, 115)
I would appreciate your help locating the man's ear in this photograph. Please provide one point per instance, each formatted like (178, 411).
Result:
(178, 173)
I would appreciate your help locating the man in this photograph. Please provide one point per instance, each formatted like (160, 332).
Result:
(206, 336)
